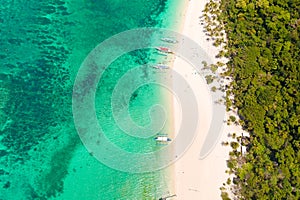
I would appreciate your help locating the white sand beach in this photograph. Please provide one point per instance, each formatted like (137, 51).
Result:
(194, 178)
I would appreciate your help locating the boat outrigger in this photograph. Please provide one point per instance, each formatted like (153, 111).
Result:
(164, 49)
(169, 40)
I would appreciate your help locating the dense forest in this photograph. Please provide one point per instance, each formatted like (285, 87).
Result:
(262, 45)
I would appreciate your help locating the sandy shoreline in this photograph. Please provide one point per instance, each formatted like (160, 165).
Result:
(193, 178)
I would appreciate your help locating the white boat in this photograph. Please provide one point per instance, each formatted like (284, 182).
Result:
(162, 138)
(161, 66)
(169, 40)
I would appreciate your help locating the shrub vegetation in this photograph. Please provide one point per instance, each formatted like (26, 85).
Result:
(263, 48)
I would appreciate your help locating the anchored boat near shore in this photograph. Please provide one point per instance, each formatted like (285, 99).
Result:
(169, 40)
(162, 139)
(160, 66)
(164, 49)
(165, 198)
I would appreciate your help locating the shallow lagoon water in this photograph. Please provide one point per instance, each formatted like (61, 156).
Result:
(42, 46)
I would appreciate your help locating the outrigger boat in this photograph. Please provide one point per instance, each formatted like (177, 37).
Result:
(164, 49)
(162, 53)
(169, 40)
(165, 198)
(162, 139)
(161, 67)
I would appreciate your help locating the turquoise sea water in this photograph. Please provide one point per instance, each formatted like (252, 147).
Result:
(42, 46)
